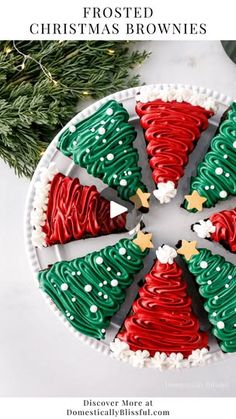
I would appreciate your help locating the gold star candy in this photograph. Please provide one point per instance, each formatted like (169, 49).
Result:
(195, 201)
(143, 240)
(188, 249)
(140, 199)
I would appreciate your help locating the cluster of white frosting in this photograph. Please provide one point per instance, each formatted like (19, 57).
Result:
(204, 228)
(40, 202)
(140, 359)
(166, 254)
(180, 94)
(165, 192)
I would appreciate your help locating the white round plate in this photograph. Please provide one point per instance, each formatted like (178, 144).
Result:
(169, 223)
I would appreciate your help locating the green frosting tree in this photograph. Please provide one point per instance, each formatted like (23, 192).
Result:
(216, 174)
(89, 290)
(217, 280)
(103, 144)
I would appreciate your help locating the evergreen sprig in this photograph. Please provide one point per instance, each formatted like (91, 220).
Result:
(41, 84)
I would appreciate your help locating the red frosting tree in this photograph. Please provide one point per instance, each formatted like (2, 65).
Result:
(65, 210)
(172, 128)
(162, 319)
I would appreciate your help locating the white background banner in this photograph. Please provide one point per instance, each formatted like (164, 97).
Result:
(129, 19)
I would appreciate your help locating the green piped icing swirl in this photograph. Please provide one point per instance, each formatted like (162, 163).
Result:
(106, 274)
(216, 175)
(103, 144)
(217, 280)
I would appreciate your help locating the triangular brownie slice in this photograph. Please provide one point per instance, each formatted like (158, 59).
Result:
(216, 174)
(219, 227)
(103, 145)
(162, 320)
(172, 120)
(216, 279)
(64, 210)
(89, 290)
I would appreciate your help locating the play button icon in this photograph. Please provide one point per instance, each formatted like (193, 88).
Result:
(116, 209)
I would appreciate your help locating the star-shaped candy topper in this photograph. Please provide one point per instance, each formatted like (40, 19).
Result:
(140, 199)
(195, 201)
(143, 240)
(188, 249)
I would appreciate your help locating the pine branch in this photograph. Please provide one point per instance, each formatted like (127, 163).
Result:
(39, 90)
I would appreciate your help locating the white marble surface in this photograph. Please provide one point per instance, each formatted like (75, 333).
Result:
(38, 355)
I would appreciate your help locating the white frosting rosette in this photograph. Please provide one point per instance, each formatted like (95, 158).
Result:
(40, 202)
(166, 254)
(204, 229)
(165, 192)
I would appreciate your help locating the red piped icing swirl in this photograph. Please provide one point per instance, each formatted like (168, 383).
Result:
(225, 224)
(171, 131)
(75, 211)
(162, 318)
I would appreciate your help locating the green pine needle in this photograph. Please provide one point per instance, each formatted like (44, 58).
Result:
(40, 90)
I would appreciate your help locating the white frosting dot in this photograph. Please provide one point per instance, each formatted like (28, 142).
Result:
(73, 273)
(74, 142)
(109, 111)
(230, 277)
(115, 176)
(118, 274)
(226, 285)
(212, 187)
(227, 174)
(92, 130)
(214, 314)
(206, 188)
(99, 260)
(101, 130)
(234, 144)
(71, 317)
(120, 142)
(100, 284)
(108, 268)
(78, 273)
(118, 129)
(105, 296)
(216, 297)
(223, 194)
(105, 282)
(219, 171)
(123, 182)
(103, 331)
(72, 128)
(129, 172)
(122, 251)
(112, 121)
(102, 158)
(64, 287)
(234, 324)
(209, 282)
(114, 283)
(93, 309)
(87, 150)
(204, 264)
(220, 325)
(100, 293)
(225, 156)
(128, 257)
(110, 156)
(88, 288)
(218, 269)
(96, 137)
(104, 140)
(73, 299)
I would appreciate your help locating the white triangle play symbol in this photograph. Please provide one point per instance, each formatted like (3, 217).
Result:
(116, 209)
